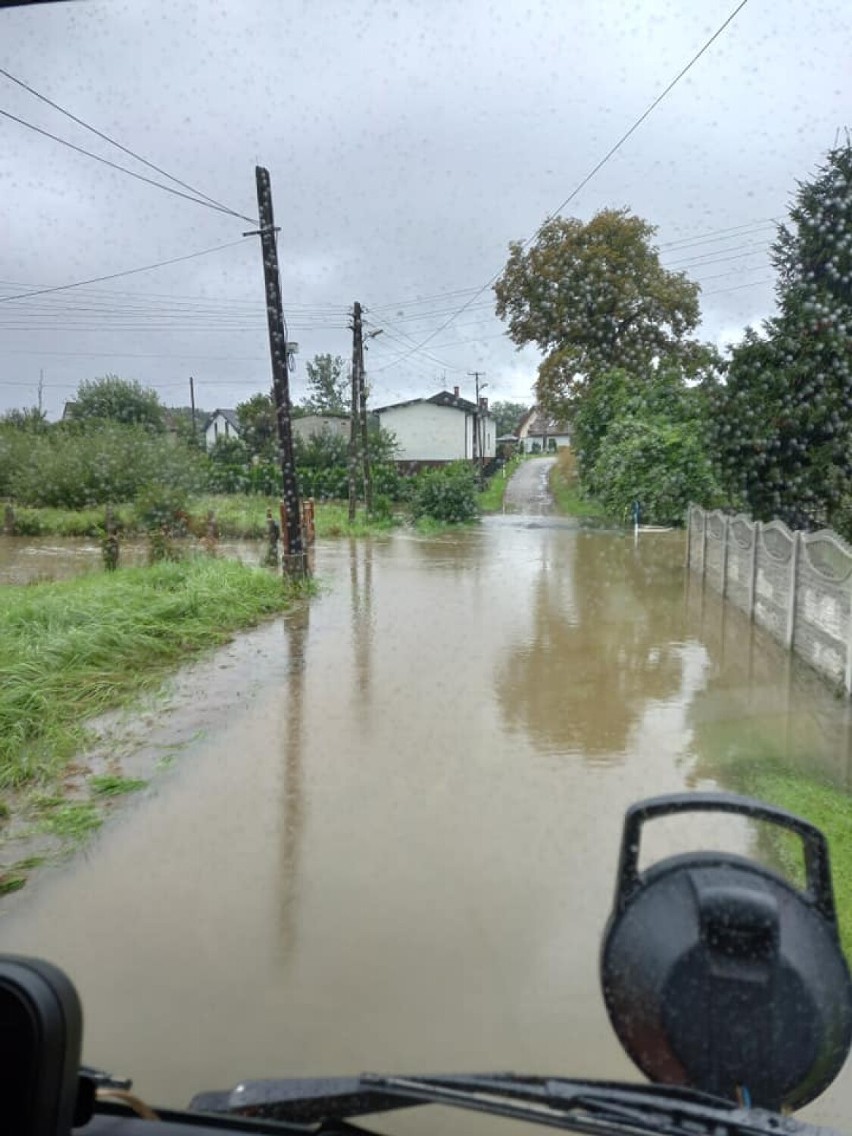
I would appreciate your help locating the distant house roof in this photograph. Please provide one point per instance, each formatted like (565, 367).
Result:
(443, 398)
(535, 423)
(69, 410)
(229, 415)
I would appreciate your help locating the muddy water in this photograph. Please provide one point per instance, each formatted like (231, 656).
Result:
(393, 846)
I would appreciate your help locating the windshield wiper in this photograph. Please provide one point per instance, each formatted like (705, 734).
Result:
(595, 1107)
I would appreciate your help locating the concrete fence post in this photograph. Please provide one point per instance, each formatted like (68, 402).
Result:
(723, 569)
(848, 677)
(703, 545)
(689, 536)
(752, 582)
(791, 599)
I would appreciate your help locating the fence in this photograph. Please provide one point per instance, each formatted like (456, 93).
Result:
(798, 586)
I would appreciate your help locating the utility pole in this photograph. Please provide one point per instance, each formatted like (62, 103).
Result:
(192, 404)
(294, 549)
(478, 447)
(365, 434)
(355, 405)
(40, 388)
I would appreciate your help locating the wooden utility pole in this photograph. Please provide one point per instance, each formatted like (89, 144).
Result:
(365, 437)
(294, 559)
(192, 404)
(355, 406)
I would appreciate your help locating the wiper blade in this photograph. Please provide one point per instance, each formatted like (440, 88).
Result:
(594, 1107)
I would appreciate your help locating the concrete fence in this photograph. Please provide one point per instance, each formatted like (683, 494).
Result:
(798, 586)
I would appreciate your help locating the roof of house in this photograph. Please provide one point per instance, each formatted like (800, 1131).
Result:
(442, 398)
(229, 415)
(538, 424)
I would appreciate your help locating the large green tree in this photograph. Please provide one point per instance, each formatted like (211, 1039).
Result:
(593, 296)
(118, 400)
(327, 385)
(782, 424)
(508, 415)
(258, 425)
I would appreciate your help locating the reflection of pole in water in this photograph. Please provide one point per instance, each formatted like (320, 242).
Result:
(296, 628)
(362, 620)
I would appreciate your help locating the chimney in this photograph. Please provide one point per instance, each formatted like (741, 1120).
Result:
(483, 403)
(455, 392)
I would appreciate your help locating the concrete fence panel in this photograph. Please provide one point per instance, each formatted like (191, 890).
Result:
(798, 586)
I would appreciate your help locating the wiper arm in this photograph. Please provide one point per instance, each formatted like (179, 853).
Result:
(594, 1107)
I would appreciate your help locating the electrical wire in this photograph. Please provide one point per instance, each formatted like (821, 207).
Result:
(116, 275)
(125, 170)
(585, 181)
(118, 145)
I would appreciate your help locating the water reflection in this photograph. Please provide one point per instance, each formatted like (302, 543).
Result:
(296, 629)
(604, 640)
(361, 598)
(760, 702)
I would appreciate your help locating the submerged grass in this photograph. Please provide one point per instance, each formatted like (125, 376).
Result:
(824, 805)
(565, 487)
(71, 650)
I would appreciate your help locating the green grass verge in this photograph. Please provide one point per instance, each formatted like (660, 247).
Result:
(490, 500)
(239, 517)
(825, 806)
(569, 497)
(74, 649)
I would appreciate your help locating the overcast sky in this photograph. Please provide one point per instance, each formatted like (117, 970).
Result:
(408, 143)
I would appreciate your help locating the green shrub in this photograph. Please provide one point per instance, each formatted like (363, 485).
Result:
(448, 494)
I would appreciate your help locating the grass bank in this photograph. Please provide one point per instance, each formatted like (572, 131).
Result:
(71, 650)
(825, 806)
(490, 500)
(239, 517)
(565, 487)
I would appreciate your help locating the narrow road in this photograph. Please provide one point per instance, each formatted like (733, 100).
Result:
(528, 491)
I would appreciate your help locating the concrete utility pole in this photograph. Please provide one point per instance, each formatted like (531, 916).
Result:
(192, 404)
(365, 435)
(355, 406)
(294, 559)
(40, 389)
(478, 442)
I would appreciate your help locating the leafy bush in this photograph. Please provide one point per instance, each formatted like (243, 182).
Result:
(448, 494)
(663, 465)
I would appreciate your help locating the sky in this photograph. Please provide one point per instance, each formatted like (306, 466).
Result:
(408, 143)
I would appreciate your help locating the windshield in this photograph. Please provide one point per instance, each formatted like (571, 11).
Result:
(338, 638)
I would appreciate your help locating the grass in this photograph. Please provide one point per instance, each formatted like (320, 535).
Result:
(111, 785)
(239, 517)
(825, 806)
(70, 820)
(71, 650)
(490, 500)
(565, 487)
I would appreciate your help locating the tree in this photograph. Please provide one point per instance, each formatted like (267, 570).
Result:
(119, 400)
(593, 297)
(508, 415)
(327, 384)
(782, 424)
(31, 420)
(258, 425)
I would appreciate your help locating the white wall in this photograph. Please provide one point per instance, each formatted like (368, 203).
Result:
(426, 432)
(218, 428)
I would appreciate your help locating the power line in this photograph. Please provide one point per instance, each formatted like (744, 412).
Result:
(116, 275)
(125, 170)
(118, 145)
(585, 181)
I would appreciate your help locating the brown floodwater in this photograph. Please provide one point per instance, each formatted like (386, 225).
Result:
(389, 839)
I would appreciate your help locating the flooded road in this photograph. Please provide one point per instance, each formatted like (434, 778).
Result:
(398, 853)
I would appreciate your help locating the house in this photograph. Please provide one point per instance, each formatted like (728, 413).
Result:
(541, 431)
(222, 425)
(440, 429)
(316, 425)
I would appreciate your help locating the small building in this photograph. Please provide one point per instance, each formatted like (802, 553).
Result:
(441, 429)
(221, 426)
(309, 426)
(541, 431)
